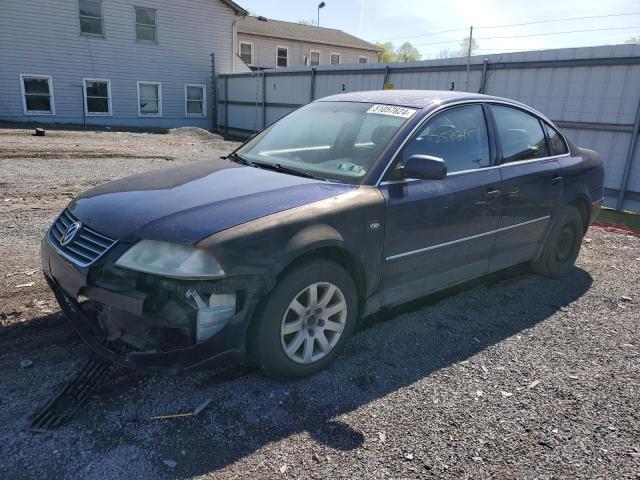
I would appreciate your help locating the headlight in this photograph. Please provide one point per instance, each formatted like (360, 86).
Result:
(170, 260)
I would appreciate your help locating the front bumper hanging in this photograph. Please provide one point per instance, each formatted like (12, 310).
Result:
(226, 346)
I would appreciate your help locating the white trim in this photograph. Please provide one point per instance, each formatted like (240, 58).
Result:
(240, 43)
(234, 44)
(84, 94)
(24, 96)
(339, 58)
(159, 114)
(488, 101)
(464, 239)
(204, 101)
(366, 59)
(282, 47)
(135, 25)
(319, 57)
(89, 34)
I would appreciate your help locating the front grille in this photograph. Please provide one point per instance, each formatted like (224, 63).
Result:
(87, 245)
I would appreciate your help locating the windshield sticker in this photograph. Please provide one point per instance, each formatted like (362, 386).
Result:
(392, 110)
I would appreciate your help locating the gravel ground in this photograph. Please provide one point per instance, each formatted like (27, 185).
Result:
(514, 376)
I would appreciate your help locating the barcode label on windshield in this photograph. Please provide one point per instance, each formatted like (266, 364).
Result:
(392, 110)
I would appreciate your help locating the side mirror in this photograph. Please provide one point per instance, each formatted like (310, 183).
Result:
(425, 167)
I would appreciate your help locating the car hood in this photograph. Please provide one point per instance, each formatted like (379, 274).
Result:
(188, 203)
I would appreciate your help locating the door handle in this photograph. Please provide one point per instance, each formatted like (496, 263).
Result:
(556, 179)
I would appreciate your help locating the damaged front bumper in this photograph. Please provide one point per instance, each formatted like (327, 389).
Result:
(149, 323)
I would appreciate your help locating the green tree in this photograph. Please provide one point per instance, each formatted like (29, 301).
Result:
(633, 41)
(387, 53)
(407, 53)
(464, 47)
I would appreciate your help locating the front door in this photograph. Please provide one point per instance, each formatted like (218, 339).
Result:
(440, 232)
(530, 185)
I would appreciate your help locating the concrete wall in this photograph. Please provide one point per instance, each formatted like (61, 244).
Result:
(264, 51)
(592, 93)
(43, 37)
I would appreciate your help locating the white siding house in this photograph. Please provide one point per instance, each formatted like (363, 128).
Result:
(265, 43)
(144, 63)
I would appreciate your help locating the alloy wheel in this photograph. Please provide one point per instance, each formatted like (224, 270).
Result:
(313, 322)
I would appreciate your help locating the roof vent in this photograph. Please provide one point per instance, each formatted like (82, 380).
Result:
(263, 19)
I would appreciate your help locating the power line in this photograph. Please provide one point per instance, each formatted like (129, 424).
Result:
(515, 25)
(427, 34)
(561, 20)
(557, 33)
(529, 35)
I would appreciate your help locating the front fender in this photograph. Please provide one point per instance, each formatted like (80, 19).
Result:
(266, 246)
(310, 238)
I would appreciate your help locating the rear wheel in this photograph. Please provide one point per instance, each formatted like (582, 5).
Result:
(562, 247)
(305, 321)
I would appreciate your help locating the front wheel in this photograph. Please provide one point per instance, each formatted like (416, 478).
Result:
(563, 244)
(305, 321)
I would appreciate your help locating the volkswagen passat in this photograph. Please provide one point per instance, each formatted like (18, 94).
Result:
(346, 205)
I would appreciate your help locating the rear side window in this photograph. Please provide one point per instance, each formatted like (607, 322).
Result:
(520, 135)
(558, 146)
(458, 136)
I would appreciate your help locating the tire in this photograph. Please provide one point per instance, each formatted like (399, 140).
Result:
(280, 325)
(562, 246)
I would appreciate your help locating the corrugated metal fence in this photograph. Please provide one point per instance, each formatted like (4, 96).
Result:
(593, 93)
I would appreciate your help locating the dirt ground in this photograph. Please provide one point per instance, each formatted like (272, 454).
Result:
(514, 376)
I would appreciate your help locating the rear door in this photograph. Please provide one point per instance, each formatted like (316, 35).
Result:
(440, 232)
(530, 185)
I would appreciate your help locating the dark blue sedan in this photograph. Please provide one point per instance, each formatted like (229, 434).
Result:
(347, 205)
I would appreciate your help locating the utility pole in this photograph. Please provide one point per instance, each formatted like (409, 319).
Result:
(469, 56)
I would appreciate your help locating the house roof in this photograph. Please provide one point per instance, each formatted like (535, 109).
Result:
(267, 27)
(235, 7)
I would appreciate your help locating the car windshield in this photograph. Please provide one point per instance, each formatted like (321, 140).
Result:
(337, 141)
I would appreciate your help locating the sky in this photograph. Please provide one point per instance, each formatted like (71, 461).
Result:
(420, 21)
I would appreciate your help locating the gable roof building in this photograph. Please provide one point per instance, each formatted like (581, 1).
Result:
(266, 43)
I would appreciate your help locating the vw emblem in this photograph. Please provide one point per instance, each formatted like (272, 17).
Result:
(70, 233)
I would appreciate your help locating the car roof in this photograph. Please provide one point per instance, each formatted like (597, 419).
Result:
(424, 99)
(410, 98)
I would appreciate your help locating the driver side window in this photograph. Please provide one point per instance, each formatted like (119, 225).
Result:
(457, 135)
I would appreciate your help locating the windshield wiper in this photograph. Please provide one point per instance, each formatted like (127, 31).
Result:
(234, 157)
(292, 171)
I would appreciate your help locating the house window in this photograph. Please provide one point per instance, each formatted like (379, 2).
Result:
(246, 53)
(146, 25)
(335, 58)
(195, 101)
(97, 97)
(363, 60)
(91, 20)
(315, 58)
(282, 57)
(37, 94)
(149, 99)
